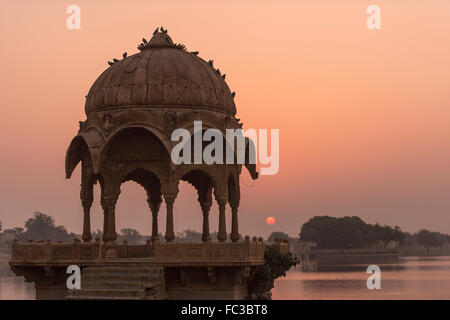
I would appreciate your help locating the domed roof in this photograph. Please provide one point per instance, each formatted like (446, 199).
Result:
(163, 74)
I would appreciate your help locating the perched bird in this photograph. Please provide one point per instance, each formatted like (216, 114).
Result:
(162, 30)
(211, 62)
(115, 60)
(195, 53)
(218, 71)
(154, 32)
(124, 55)
(110, 63)
(223, 76)
(233, 94)
(144, 41)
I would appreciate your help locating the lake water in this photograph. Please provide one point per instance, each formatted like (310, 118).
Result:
(411, 278)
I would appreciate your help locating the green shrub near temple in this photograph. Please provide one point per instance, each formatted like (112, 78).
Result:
(263, 277)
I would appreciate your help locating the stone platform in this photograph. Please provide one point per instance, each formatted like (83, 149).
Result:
(186, 270)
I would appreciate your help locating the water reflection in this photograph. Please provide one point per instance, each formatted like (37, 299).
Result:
(411, 278)
(15, 288)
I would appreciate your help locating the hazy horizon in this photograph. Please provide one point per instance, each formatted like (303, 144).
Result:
(363, 115)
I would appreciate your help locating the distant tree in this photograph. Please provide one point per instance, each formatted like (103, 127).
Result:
(132, 235)
(346, 232)
(188, 236)
(329, 232)
(399, 235)
(430, 239)
(42, 226)
(97, 234)
(277, 235)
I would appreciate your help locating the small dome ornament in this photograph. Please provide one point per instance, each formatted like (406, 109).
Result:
(160, 39)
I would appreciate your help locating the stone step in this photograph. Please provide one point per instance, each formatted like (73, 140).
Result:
(156, 297)
(72, 297)
(95, 270)
(106, 283)
(119, 293)
(119, 285)
(139, 277)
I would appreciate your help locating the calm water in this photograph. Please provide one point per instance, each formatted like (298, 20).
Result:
(427, 278)
(411, 278)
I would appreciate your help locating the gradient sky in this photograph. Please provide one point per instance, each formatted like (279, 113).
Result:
(364, 116)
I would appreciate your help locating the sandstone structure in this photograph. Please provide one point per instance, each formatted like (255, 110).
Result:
(132, 109)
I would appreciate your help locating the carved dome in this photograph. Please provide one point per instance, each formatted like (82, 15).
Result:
(163, 74)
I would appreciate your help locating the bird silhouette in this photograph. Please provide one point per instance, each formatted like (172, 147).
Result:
(233, 94)
(218, 71)
(223, 76)
(124, 55)
(110, 63)
(155, 32)
(211, 62)
(115, 60)
(162, 30)
(144, 41)
(195, 53)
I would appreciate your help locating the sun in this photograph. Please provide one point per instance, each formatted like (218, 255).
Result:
(270, 220)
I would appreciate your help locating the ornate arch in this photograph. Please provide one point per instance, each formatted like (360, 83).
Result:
(116, 134)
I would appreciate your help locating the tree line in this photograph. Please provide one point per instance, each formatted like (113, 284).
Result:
(324, 231)
(352, 233)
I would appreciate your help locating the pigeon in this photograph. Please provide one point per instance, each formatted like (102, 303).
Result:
(218, 71)
(110, 63)
(233, 94)
(162, 30)
(144, 41)
(223, 76)
(124, 55)
(211, 62)
(195, 53)
(115, 60)
(154, 32)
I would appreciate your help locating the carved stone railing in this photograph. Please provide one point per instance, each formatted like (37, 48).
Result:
(209, 252)
(135, 250)
(48, 251)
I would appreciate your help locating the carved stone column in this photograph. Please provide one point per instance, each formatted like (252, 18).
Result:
(170, 235)
(234, 222)
(222, 235)
(154, 207)
(109, 230)
(87, 236)
(206, 206)
(87, 197)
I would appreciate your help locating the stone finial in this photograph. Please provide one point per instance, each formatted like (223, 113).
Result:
(260, 240)
(247, 239)
(125, 241)
(255, 239)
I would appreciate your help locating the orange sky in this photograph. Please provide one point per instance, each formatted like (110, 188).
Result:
(363, 115)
